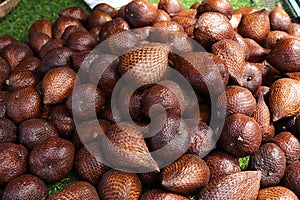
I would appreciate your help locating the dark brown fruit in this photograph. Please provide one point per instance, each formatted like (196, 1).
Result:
(86, 101)
(140, 13)
(240, 185)
(257, 53)
(279, 19)
(15, 53)
(6, 40)
(241, 135)
(103, 7)
(222, 6)
(13, 161)
(107, 114)
(161, 16)
(72, 29)
(291, 177)
(26, 187)
(23, 104)
(221, 164)
(186, 175)
(159, 194)
(185, 22)
(170, 6)
(270, 160)
(8, 131)
(212, 27)
(4, 95)
(270, 74)
(21, 79)
(255, 25)
(62, 120)
(145, 64)
(233, 55)
(37, 41)
(78, 190)
(237, 99)
(76, 12)
(276, 192)
(273, 38)
(109, 28)
(59, 57)
(285, 55)
(28, 64)
(239, 39)
(5, 71)
(286, 124)
(262, 115)
(202, 138)
(168, 95)
(61, 23)
(149, 179)
(290, 145)
(58, 84)
(81, 41)
(34, 131)
(252, 76)
(52, 159)
(89, 163)
(284, 98)
(51, 45)
(89, 132)
(119, 185)
(98, 18)
(41, 26)
(127, 149)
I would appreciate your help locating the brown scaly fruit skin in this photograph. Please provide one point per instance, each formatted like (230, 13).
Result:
(13, 161)
(273, 37)
(270, 160)
(170, 6)
(284, 98)
(37, 41)
(149, 179)
(6, 40)
(222, 6)
(52, 159)
(26, 187)
(103, 7)
(28, 64)
(61, 23)
(49, 46)
(15, 53)
(8, 131)
(21, 79)
(279, 19)
(257, 53)
(186, 175)
(119, 185)
(23, 104)
(294, 29)
(159, 194)
(78, 190)
(5, 71)
(75, 12)
(276, 192)
(81, 41)
(89, 163)
(34, 131)
(291, 177)
(98, 18)
(3, 99)
(41, 26)
(241, 135)
(240, 185)
(221, 164)
(252, 76)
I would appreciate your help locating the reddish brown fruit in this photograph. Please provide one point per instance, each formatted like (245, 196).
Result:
(187, 13)
(290, 145)
(246, 10)
(8, 131)
(81, 41)
(61, 23)
(13, 162)
(49, 46)
(222, 6)
(21, 79)
(41, 26)
(273, 38)
(276, 192)
(211, 28)
(28, 64)
(241, 135)
(255, 25)
(284, 98)
(72, 29)
(170, 6)
(75, 12)
(37, 41)
(109, 28)
(26, 187)
(4, 95)
(257, 53)
(185, 22)
(285, 55)
(233, 55)
(6, 40)
(52, 159)
(168, 26)
(107, 114)
(279, 19)
(159, 194)
(103, 7)
(98, 18)
(89, 163)
(161, 16)
(252, 76)
(240, 185)
(34, 131)
(62, 120)
(235, 20)
(15, 53)
(186, 175)
(58, 84)
(293, 75)
(5, 71)
(294, 29)
(270, 160)
(119, 185)
(221, 164)
(237, 99)
(78, 190)
(23, 104)
(291, 177)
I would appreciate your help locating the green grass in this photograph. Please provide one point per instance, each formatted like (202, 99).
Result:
(59, 185)
(244, 162)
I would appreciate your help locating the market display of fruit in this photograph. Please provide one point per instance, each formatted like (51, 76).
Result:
(152, 101)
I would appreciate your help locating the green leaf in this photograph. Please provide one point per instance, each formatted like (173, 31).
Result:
(243, 162)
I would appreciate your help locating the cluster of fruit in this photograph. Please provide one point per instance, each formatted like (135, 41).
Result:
(83, 96)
